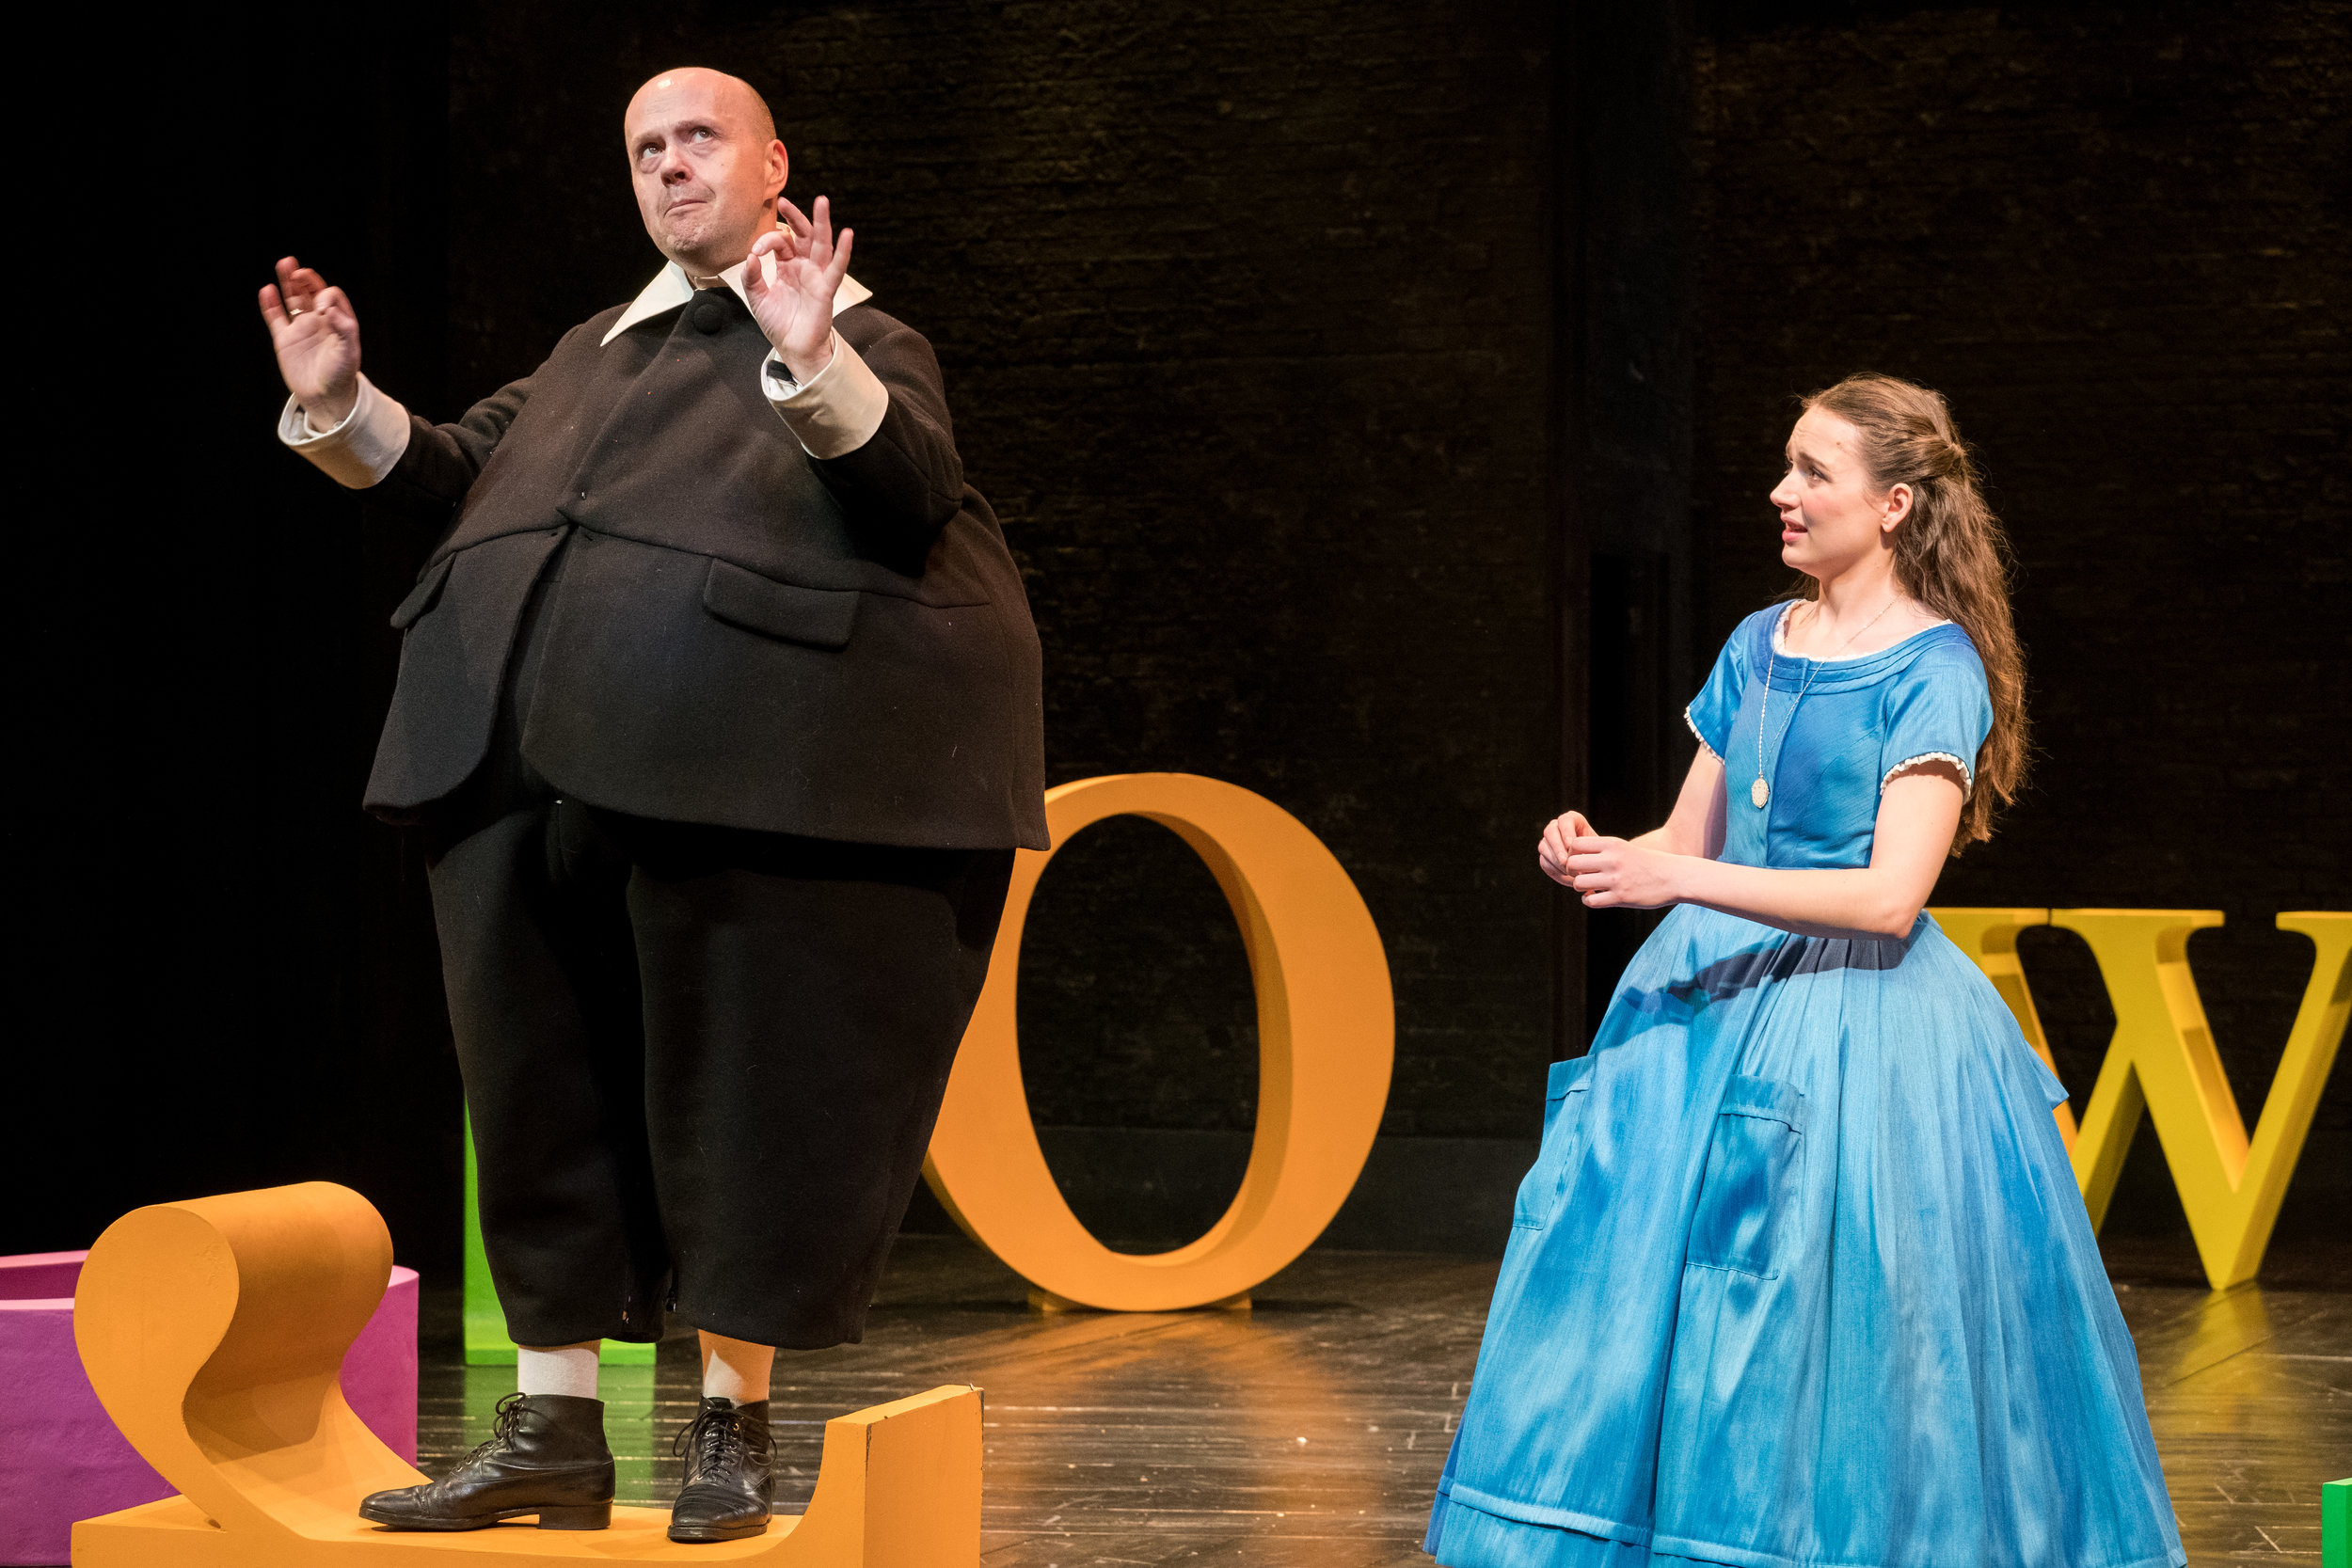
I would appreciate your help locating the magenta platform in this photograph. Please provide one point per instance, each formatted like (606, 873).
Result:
(62, 1460)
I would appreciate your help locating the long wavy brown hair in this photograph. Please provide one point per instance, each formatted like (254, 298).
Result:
(1951, 555)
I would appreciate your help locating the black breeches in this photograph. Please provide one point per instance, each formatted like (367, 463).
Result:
(702, 1064)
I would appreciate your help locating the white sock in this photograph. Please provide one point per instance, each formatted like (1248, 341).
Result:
(736, 1369)
(563, 1369)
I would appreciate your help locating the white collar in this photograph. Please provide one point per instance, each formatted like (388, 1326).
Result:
(671, 288)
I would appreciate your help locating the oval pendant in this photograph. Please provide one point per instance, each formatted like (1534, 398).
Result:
(1760, 792)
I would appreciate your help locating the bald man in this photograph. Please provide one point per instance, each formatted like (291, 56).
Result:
(718, 708)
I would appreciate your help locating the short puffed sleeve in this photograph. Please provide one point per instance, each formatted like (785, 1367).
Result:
(1936, 711)
(1711, 712)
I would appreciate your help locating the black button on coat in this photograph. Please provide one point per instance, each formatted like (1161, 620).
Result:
(735, 633)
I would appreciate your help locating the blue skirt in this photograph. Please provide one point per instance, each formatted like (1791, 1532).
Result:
(1802, 1279)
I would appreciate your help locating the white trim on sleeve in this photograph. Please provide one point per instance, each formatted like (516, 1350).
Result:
(1702, 739)
(1967, 774)
(360, 451)
(834, 412)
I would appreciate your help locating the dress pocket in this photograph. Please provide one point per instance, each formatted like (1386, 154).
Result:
(1754, 1165)
(1566, 1092)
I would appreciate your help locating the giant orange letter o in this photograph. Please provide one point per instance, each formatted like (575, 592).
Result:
(1327, 1038)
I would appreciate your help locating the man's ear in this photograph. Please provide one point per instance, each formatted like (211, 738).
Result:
(779, 171)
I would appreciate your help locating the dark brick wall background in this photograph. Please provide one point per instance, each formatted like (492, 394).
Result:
(1304, 420)
(2115, 239)
(1244, 313)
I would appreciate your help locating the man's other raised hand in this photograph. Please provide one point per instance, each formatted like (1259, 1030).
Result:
(791, 280)
(317, 339)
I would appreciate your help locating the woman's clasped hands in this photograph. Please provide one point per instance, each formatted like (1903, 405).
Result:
(1609, 873)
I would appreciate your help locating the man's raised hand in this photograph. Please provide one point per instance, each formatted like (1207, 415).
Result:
(791, 280)
(317, 339)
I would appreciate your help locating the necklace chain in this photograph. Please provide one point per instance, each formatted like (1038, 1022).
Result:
(1761, 792)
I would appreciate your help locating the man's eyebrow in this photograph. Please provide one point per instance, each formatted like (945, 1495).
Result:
(654, 133)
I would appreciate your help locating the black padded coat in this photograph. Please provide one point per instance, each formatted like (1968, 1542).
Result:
(733, 632)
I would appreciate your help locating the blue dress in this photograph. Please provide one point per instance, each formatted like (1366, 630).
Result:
(1802, 1277)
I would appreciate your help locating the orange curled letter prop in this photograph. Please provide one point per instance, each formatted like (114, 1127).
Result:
(214, 1331)
(1326, 1037)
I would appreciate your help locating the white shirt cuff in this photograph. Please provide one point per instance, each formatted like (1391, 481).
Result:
(357, 453)
(834, 412)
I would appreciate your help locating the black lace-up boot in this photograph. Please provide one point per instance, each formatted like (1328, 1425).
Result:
(727, 1489)
(546, 1456)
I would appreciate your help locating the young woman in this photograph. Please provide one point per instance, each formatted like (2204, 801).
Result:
(1800, 1278)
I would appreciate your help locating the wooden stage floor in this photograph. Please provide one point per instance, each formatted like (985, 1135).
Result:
(1308, 1432)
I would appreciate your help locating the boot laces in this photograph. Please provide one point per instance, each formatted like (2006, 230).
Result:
(712, 1442)
(508, 1416)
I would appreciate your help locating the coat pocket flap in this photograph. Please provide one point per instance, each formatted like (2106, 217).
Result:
(421, 598)
(820, 617)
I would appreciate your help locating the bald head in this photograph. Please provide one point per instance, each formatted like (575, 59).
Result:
(730, 94)
(705, 164)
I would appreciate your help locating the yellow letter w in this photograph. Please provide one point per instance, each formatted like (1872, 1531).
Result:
(2162, 1060)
